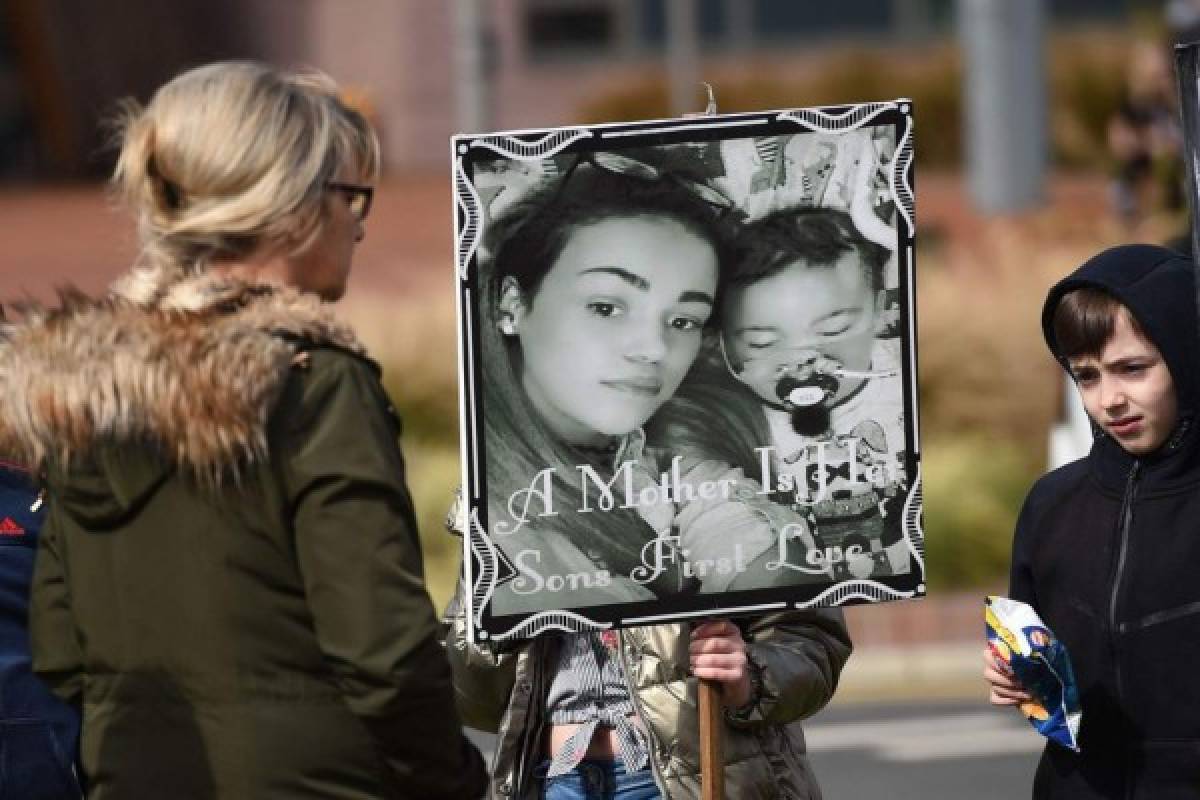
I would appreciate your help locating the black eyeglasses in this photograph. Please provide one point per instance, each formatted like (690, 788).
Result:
(359, 197)
(633, 168)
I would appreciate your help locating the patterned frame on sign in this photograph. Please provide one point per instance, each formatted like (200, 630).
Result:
(486, 564)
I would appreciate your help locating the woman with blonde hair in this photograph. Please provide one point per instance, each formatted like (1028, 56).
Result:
(229, 577)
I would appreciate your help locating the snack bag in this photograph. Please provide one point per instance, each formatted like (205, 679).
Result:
(1039, 661)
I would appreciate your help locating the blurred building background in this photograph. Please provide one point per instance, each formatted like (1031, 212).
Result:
(63, 63)
(1086, 103)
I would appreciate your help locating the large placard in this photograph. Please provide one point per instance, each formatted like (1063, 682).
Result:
(688, 360)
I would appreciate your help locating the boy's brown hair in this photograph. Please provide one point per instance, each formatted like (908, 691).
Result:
(1084, 321)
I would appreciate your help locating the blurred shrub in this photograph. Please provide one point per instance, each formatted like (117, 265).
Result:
(989, 388)
(984, 368)
(414, 341)
(433, 474)
(988, 392)
(1086, 76)
(973, 488)
(1086, 86)
(933, 85)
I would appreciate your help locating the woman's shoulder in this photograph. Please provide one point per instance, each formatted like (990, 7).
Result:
(324, 363)
(319, 368)
(332, 388)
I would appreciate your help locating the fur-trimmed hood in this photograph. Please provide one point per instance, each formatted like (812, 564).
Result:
(192, 369)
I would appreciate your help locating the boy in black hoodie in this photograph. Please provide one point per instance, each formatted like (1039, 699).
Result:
(1107, 547)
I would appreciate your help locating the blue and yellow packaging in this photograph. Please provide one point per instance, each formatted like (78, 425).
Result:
(1039, 661)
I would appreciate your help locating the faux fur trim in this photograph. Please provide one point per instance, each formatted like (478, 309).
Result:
(194, 369)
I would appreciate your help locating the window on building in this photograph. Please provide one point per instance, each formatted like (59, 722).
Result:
(569, 29)
(785, 19)
(1079, 10)
(711, 18)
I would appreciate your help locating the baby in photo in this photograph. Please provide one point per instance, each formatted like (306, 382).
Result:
(801, 318)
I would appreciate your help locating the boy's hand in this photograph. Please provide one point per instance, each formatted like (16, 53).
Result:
(718, 653)
(1005, 691)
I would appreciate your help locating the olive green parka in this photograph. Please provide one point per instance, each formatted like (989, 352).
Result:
(229, 579)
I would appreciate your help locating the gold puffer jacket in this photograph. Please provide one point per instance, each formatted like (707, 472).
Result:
(800, 655)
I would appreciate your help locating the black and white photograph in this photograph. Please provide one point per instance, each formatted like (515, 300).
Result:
(688, 361)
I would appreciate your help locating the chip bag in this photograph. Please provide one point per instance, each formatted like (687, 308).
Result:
(1039, 661)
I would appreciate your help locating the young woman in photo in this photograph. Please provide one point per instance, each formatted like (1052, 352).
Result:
(593, 305)
(594, 308)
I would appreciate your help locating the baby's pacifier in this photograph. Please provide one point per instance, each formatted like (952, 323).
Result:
(807, 380)
(795, 393)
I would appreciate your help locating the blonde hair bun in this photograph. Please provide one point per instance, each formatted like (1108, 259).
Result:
(230, 156)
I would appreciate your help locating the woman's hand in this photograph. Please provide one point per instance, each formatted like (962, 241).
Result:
(1005, 691)
(718, 653)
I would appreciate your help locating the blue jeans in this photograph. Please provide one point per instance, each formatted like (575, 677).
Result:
(598, 780)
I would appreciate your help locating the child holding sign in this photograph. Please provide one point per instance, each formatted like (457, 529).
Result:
(593, 311)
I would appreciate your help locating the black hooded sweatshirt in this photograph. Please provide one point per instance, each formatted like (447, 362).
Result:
(1107, 550)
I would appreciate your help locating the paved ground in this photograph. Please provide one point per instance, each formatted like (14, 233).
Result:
(923, 751)
(915, 751)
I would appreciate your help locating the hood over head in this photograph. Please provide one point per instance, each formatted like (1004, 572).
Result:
(190, 376)
(1158, 286)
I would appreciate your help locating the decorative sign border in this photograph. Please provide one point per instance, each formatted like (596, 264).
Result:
(482, 560)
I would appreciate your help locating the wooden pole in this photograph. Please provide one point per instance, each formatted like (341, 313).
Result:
(712, 763)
